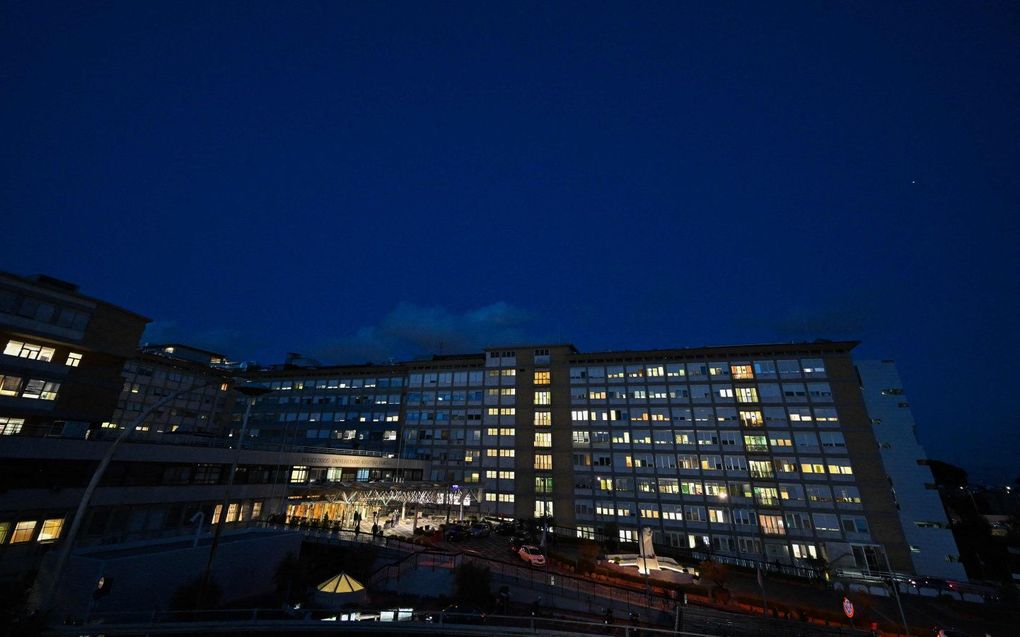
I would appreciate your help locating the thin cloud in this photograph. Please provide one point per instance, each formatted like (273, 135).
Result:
(412, 330)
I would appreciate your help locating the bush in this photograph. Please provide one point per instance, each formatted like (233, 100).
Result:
(472, 585)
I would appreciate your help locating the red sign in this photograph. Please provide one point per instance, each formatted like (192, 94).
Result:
(848, 608)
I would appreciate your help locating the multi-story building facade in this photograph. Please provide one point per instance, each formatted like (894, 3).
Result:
(354, 407)
(63, 352)
(71, 377)
(156, 372)
(783, 452)
(933, 549)
(153, 490)
(763, 451)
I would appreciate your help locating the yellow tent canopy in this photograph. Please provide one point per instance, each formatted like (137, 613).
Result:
(340, 584)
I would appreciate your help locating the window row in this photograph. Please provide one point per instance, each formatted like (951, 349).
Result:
(24, 531)
(764, 468)
(28, 388)
(741, 370)
(342, 399)
(773, 441)
(791, 494)
(768, 523)
(44, 312)
(711, 416)
(336, 383)
(652, 394)
(353, 416)
(35, 352)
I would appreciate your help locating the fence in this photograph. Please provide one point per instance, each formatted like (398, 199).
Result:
(693, 556)
(594, 597)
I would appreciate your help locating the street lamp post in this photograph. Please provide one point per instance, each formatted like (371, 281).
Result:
(896, 592)
(46, 584)
(251, 394)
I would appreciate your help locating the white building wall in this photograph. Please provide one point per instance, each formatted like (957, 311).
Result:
(933, 549)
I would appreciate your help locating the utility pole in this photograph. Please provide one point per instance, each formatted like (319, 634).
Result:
(46, 583)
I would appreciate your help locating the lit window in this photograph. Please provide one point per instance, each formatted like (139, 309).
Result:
(73, 359)
(36, 388)
(543, 439)
(747, 395)
(812, 466)
(837, 467)
(9, 385)
(543, 419)
(51, 530)
(30, 351)
(10, 426)
(543, 397)
(771, 524)
(756, 443)
(742, 372)
(542, 377)
(256, 509)
(23, 531)
(232, 509)
(544, 462)
(299, 474)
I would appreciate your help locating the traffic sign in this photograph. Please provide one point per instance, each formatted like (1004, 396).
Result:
(848, 608)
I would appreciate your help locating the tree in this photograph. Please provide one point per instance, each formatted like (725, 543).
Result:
(612, 535)
(946, 475)
(715, 572)
(291, 578)
(587, 555)
(718, 574)
(472, 585)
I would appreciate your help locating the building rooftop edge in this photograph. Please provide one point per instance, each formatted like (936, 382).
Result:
(832, 346)
(47, 282)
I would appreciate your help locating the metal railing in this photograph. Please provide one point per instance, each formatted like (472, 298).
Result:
(693, 556)
(184, 439)
(649, 602)
(296, 621)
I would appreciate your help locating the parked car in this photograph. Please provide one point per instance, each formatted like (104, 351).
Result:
(455, 533)
(480, 529)
(532, 555)
(516, 543)
(505, 529)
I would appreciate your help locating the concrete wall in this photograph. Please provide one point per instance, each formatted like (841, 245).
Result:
(145, 577)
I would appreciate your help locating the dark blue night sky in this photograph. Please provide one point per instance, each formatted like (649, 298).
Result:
(361, 181)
